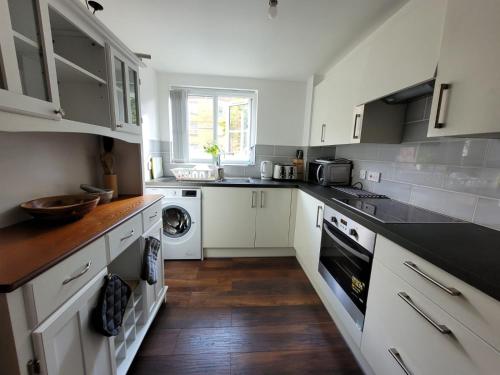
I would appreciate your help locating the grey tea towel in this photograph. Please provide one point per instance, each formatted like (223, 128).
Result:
(151, 251)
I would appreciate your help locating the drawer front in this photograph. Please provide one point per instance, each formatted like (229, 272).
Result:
(392, 324)
(123, 236)
(476, 310)
(150, 216)
(52, 288)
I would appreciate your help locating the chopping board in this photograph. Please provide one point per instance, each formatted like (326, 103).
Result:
(156, 167)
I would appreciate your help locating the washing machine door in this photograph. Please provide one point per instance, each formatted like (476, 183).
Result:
(176, 221)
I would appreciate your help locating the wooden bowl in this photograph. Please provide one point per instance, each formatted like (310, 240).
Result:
(61, 207)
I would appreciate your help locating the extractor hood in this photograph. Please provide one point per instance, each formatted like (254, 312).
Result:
(407, 94)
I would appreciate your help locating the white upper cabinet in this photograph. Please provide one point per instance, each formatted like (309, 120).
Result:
(59, 62)
(334, 100)
(28, 84)
(81, 69)
(125, 93)
(404, 51)
(467, 91)
(319, 114)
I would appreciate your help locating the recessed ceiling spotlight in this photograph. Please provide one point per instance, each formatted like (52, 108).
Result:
(273, 9)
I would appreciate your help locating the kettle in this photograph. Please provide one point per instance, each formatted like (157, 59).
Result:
(266, 170)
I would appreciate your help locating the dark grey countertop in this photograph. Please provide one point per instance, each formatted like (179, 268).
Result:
(468, 251)
(228, 182)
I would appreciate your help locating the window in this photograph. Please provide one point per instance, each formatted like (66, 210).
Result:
(212, 116)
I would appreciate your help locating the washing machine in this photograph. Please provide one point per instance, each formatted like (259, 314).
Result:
(181, 213)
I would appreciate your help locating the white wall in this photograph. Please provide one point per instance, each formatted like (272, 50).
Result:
(34, 165)
(149, 113)
(280, 113)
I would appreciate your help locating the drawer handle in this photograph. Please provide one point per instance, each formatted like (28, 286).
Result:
(127, 236)
(414, 267)
(83, 272)
(397, 357)
(153, 216)
(318, 217)
(440, 327)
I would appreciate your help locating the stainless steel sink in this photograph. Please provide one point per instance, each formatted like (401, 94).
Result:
(238, 180)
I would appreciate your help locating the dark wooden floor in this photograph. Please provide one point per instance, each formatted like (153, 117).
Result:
(242, 316)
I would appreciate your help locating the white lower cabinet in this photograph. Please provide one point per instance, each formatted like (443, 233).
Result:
(273, 218)
(245, 217)
(308, 224)
(228, 217)
(66, 343)
(422, 337)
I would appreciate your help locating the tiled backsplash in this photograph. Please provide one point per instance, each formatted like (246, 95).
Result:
(459, 177)
(276, 154)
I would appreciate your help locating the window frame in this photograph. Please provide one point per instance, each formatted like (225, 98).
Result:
(215, 93)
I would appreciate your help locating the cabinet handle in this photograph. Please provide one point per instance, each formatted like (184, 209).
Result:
(153, 216)
(444, 91)
(318, 217)
(83, 272)
(60, 111)
(323, 130)
(414, 268)
(355, 134)
(254, 199)
(440, 327)
(397, 357)
(127, 236)
(262, 199)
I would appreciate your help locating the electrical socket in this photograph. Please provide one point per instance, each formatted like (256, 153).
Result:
(362, 174)
(373, 176)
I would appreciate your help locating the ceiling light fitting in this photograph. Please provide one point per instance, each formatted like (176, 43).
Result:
(273, 9)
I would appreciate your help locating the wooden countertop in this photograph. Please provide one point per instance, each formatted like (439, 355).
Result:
(29, 248)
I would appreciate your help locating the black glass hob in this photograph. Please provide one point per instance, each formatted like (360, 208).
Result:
(390, 211)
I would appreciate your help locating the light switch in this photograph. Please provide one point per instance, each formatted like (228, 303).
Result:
(362, 174)
(374, 176)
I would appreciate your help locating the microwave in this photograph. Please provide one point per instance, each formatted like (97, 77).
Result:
(332, 172)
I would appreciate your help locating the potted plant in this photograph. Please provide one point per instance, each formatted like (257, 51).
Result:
(215, 151)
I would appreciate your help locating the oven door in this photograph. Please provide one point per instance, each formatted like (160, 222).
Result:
(346, 267)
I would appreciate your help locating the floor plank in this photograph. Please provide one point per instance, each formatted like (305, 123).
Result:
(191, 364)
(242, 316)
(193, 317)
(273, 315)
(332, 362)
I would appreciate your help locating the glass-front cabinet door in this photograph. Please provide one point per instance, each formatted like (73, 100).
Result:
(125, 92)
(28, 84)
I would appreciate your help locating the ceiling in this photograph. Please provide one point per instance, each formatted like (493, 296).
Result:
(236, 38)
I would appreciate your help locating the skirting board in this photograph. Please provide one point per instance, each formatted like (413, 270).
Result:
(249, 252)
(344, 331)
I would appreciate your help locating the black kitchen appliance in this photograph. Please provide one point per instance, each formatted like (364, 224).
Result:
(345, 261)
(328, 172)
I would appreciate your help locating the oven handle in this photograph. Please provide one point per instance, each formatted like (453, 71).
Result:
(345, 246)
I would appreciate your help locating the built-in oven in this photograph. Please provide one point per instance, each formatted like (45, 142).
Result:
(345, 261)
